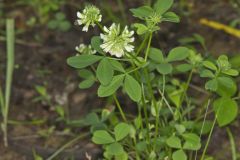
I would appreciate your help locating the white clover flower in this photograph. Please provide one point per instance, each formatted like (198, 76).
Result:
(85, 49)
(115, 42)
(89, 16)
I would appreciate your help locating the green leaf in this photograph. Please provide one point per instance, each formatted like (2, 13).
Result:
(141, 146)
(89, 78)
(192, 141)
(184, 67)
(231, 72)
(132, 88)
(141, 28)
(175, 97)
(174, 142)
(86, 74)
(203, 127)
(64, 26)
(226, 86)
(86, 83)
(105, 72)
(164, 68)
(117, 65)
(95, 43)
(105, 91)
(212, 85)
(123, 156)
(207, 73)
(179, 155)
(115, 149)
(200, 39)
(102, 137)
(156, 55)
(92, 119)
(226, 110)
(210, 65)
(180, 128)
(171, 17)
(161, 6)
(142, 12)
(82, 61)
(178, 54)
(60, 16)
(121, 131)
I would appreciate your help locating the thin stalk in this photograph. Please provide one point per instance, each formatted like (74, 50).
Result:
(142, 45)
(135, 58)
(1, 99)
(135, 69)
(186, 87)
(68, 144)
(153, 99)
(148, 47)
(145, 114)
(232, 143)
(100, 26)
(118, 59)
(166, 102)
(120, 108)
(204, 120)
(157, 124)
(209, 138)
(9, 74)
(137, 75)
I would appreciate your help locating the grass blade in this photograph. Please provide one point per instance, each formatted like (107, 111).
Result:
(1, 99)
(10, 60)
(9, 74)
(232, 143)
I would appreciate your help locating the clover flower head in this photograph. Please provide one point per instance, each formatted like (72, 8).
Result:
(116, 42)
(85, 49)
(89, 17)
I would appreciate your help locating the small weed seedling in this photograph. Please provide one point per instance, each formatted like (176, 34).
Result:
(170, 121)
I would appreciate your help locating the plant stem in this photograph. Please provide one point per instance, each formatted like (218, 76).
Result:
(120, 108)
(67, 145)
(150, 91)
(142, 45)
(1, 99)
(204, 120)
(166, 102)
(209, 138)
(137, 75)
(157, 110)
(100, 26)
(186, 87)
(135, 69)
(9, 74)
(148, 47)
(145, 114)
(232, 143)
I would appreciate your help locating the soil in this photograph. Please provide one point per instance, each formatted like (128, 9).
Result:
(44, 63)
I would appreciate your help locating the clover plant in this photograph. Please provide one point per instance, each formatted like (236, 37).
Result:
(162, 85)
